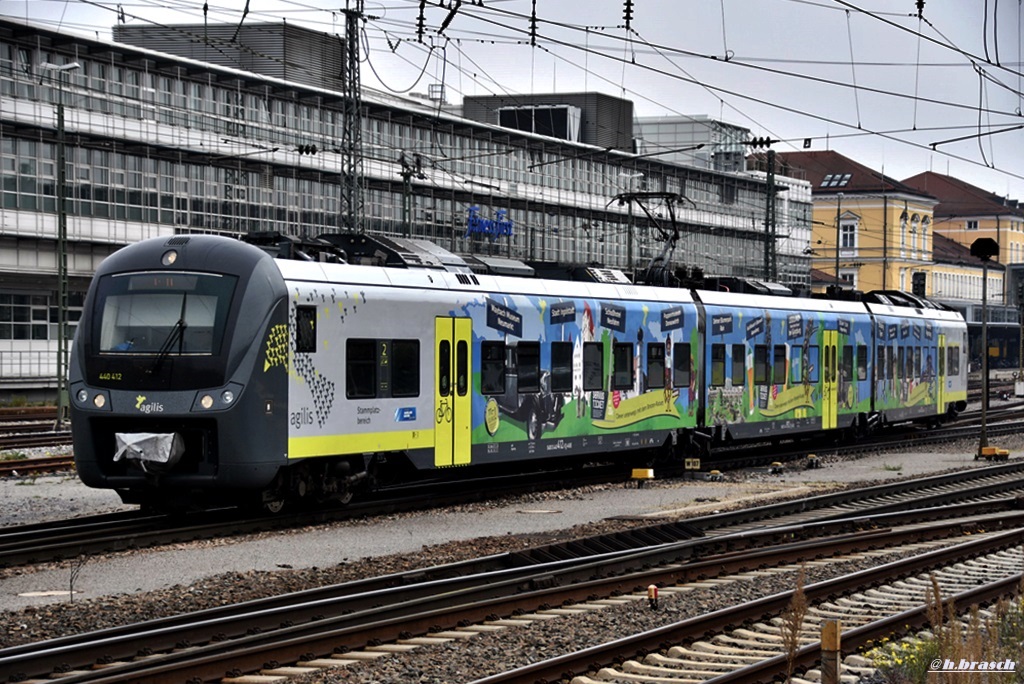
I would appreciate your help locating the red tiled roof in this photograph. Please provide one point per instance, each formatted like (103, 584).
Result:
(819, 276)
(830, 172)
(958, 199)
(948, 251)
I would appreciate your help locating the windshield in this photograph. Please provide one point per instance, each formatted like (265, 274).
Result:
(163, 312)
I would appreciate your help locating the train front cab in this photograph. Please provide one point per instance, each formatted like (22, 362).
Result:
(171, 401)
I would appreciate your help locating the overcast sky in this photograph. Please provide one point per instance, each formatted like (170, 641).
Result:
(871, 79)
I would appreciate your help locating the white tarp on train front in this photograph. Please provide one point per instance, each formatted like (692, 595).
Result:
(152, 452)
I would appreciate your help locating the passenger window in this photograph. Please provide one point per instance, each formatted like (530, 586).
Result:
(739, 365)
(779, 365)
(900, 368)
(593, 367)
(954, 360)
(880, 363)
(561, 366)
(655, 365)
(444, 368)
(305, 329)
(862, 362)
(917, 362)
(528, 367)
(760, 364)
(847, 368)
(405, 368)
(461, 368)
(796, 364)
(812, 361)
(622, 366)
(361, 369)
(492, 367)
(681, 365)
(717, 365)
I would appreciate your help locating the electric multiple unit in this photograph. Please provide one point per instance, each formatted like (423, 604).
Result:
(205, 371)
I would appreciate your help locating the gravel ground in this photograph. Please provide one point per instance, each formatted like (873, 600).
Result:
(133, 586)
(488, 654)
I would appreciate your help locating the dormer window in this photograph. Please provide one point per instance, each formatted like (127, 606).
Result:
(836, 180)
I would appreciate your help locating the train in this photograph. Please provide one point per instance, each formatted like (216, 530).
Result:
(207, 370)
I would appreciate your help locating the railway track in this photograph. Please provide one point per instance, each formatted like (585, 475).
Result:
(36, 466)
(31, 436)
(44, 542)
(339, 625)
(90, 535)
(743, 644)
(30, 426)
(48, 438)
(27, 413)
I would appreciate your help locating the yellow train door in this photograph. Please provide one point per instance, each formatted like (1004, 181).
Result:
(940, 376)
(452, 400)
(830, 381)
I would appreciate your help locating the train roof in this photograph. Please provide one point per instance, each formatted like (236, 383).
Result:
(420, 264)
(420, 279)
(767, 301)
(484, 284)
(936, 314)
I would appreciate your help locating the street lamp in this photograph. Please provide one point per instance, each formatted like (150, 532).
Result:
(984, 249)
(62, 247)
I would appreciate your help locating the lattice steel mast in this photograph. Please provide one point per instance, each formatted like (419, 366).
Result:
(352, 131)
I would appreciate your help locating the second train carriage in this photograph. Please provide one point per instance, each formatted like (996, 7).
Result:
(278, 379)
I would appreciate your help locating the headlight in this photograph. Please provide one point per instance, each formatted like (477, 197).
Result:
(99, 401)
(206, 402)
(83, 396)
(228, 396)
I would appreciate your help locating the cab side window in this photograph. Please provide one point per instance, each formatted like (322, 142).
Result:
(305, 329)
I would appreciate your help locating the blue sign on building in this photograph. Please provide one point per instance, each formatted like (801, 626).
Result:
(494, 228)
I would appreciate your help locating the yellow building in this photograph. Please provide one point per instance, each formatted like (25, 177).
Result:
(877, 233)
(965, 213)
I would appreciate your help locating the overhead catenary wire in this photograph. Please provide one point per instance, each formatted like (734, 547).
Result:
(853, 68)
(457, 29)
(972, 108)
